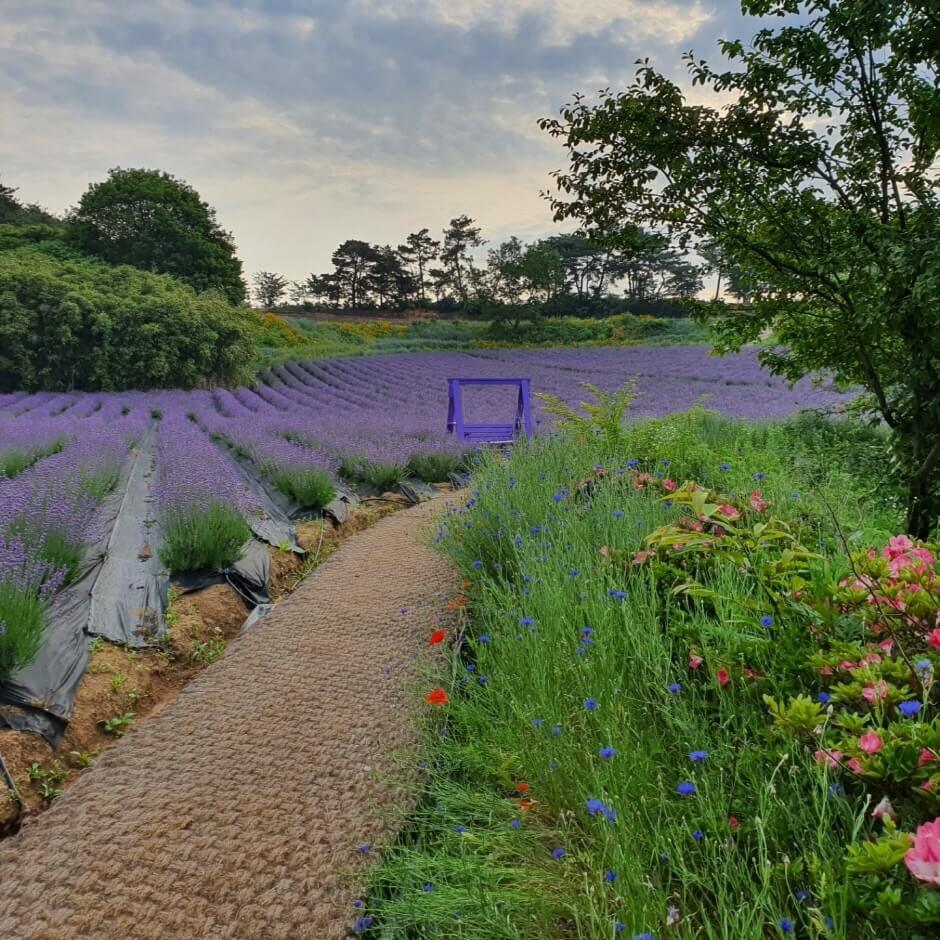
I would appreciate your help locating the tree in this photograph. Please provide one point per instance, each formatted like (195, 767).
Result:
(542, 272)
(417, 253)
(460, 237)
(13, 212)
(352, 263)
(157, 223)
(818, 180)
(269, 288)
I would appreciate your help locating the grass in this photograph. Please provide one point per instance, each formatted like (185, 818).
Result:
(436, 466)
(199, 538)
(383, 475)
(557, 666)
(14, 461)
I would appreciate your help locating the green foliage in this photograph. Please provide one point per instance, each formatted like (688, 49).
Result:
(383, 475)
(82, 324)
(435, 466)
(207, 652)
(201, 538)
(14, 462)
(118, 725)
(155, 222)
(22, 615)
(604, 417)
(308, 487)
(800, 717)
(833, 224)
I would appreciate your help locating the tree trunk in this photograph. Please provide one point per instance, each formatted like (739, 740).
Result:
(923, 506)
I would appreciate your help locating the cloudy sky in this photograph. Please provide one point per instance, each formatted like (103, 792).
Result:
(305, 122)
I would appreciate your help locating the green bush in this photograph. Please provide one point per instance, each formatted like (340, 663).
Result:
(75, 323)
(383, 475)
(436, 466)
(22, 618)
(309, 488)
(200, 538)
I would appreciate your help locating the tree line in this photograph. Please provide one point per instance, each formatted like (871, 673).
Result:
(515, 281)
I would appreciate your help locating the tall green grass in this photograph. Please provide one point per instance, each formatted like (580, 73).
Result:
(197, 538)
(566, 656)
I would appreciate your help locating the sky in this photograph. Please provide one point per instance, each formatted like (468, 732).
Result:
(307, 122)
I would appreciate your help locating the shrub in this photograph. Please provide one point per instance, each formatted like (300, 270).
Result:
(383, 475)
(197, 538)
(436, 466)
(308, 487)
(82, 324)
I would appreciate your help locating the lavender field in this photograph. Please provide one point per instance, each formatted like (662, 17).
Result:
(300, 431)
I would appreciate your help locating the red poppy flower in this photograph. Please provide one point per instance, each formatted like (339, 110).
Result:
(436, 637)
(522, 787)
(437, 697)
(733, 822)
(526, 804)
(723, 677)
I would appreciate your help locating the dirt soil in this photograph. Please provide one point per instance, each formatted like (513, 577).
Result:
(129, 686)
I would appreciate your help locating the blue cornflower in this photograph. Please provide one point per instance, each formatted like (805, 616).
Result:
(553, 765)
(460, 830)
(515, 824)
(526, 621)
(358, 904)
(802, 895)
(559, 496)
(633, 463)
(556, 730)
(686, 788)
(591, 704)
(923, 665)
(698, 835)
(619, 927)
(794, 495)
(558, 853)
(484, 680)
(596, 807)
(786, 925)
(643, 936)
(517, 541)
(725, 466)
(759, 476)
(428, 888)
(362, 924)
(535, 529)
(835, 790)
(587, 632)
(538, 722)
(767, 621)
(665, 463)
(607, 752)
(674, 688)
(478, 564)
(698, 757)
(483, 638)
(610, 876)
(471, 667)
(618, 513)
(667, 503)
(363, 848)
(824, 697)
(617, 595)
(580, 650)
(573, 573)
(909, 709)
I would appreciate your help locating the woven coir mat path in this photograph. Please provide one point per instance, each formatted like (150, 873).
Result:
(240, 810)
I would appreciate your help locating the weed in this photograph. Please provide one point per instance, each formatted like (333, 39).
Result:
(118, 725)
(207, 652)
(118, 681)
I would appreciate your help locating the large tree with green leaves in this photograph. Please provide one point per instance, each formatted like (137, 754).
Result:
(816, 175)
(158, 223)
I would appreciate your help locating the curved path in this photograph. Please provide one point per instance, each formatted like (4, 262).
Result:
(237, 811)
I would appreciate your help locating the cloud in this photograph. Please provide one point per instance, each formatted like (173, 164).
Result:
(309, 121)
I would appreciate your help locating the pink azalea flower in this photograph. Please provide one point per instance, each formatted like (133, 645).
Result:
(884, 808)
(854, 764)
(886, 646)
(640, 557)
(728, 511)
(926, 757)
(934, 638)
(757, 501)
(829, 758)
(923, 858)
(897, 545)
(669, 485)
(875, 692)
(695, 661)
(870, 743)
(723, 677)
(847, 665)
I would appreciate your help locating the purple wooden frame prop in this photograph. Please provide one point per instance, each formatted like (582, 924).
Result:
(488, 433)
